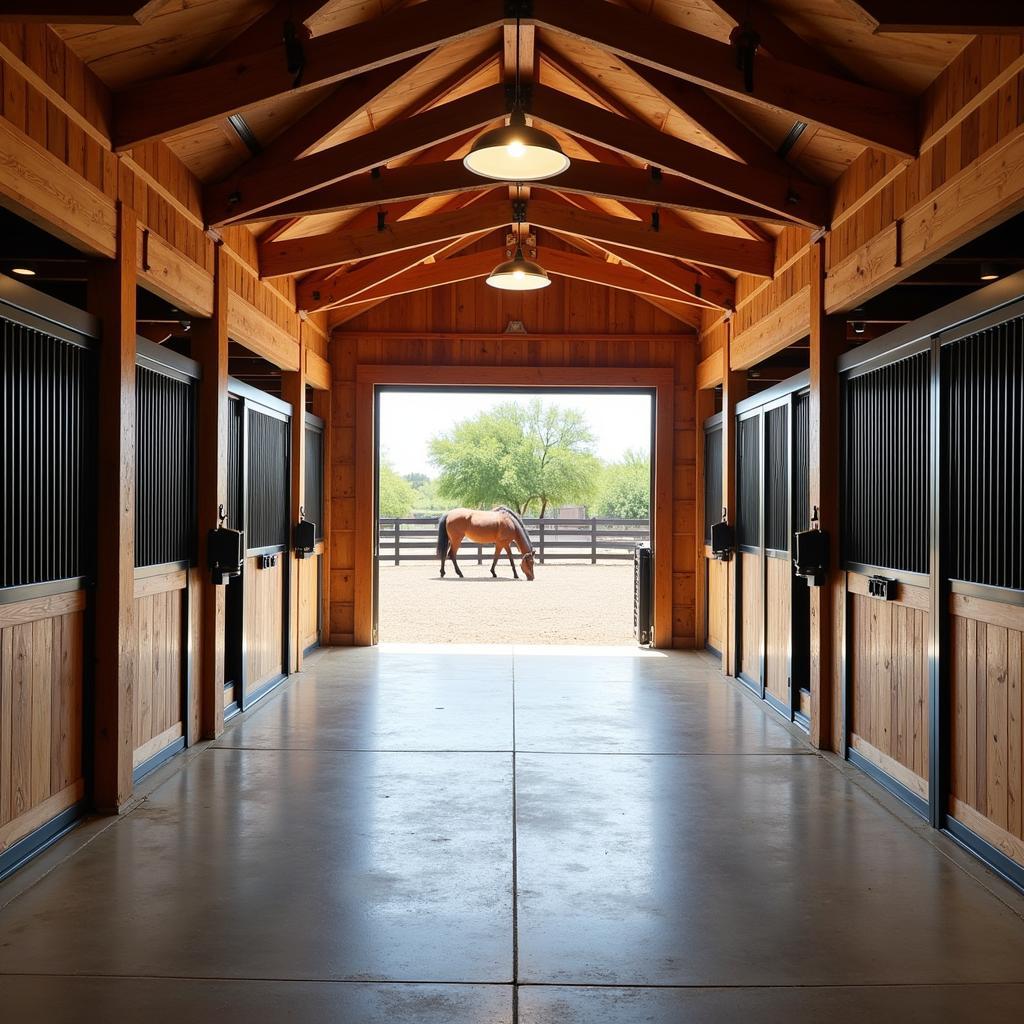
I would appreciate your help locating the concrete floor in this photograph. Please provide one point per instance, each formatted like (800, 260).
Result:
(400, 834)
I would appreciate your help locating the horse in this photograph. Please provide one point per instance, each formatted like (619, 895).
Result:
(501, 527)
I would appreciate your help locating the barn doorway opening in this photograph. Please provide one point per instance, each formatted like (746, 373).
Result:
(573, 471)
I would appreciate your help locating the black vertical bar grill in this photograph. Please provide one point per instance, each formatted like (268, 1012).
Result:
(776, 479)
(886, 477)
(748, 481)
(165, 497)
(267, 484)
(46, 461)
(313, 490)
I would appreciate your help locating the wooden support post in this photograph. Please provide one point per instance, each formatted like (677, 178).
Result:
(293, 391)
(705, 408)
(734, 388)
(210, 350)
(827, 601)
(322, 408)
(112, 298)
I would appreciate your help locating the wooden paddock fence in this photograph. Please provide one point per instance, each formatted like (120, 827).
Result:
(594, 540)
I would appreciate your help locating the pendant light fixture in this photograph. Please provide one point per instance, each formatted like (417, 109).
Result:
(516, 151)
(518, 274)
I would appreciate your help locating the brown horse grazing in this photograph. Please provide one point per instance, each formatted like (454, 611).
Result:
(500, 527)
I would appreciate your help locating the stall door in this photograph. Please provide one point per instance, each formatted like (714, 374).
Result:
(800, 661)
(235, 512)
(886, 538)
(166, 715)
(265, 573)
(259, 484)
(983, 505)
(778, 569)
(772, 605)
(750, 574)
(310, 568)
(47, 465)
(717, 572)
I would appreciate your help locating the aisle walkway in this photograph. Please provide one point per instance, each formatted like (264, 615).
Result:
(402, 833)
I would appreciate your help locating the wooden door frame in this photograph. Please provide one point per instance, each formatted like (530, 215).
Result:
(659, 380)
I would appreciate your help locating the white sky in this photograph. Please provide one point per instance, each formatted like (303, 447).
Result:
(408, 421)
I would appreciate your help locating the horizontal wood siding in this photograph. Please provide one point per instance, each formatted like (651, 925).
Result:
(987, 756)
(264, 610)
(41, 701)
(160, 654)
(779, 597)
(889, 681)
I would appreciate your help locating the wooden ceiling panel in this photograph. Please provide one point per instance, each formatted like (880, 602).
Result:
(903, 63)
(182, 34)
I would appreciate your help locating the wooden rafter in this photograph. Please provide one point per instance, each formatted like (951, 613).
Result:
(432, 275)
(169, 105)
(726, 251)
(244, 194)
(979, 17)
(788, 196)
(300, 255)
(584, 177)
(711, 117)
(688, 99)
(556, 261)
(82, 12)
(777, 38)
(700, 286)
(871, 116)
(679, 310)
(266, 30)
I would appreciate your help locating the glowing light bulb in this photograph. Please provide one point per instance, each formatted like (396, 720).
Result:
(516, 149)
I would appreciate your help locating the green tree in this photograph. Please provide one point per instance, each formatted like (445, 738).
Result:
(417, 479)
(527, 457)
(397, 496)
(625, 491)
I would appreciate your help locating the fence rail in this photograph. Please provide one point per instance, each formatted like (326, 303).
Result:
(594, 540)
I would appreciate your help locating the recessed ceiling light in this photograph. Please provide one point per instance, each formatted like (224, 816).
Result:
(989, 272)
(23, 271)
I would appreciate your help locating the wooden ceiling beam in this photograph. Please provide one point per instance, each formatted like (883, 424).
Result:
(612, 275)
(432, 275)
(742, 255)
(166, 106)
(944, 17)
(688, 99)
(266, 31)
(316, 293)
(301, 255)
(82, 12)
(788, 196)
(682, 311)
(872, 116)
(719, 124)
(776, 36)
(244, 194)
(711, 291)
(584, 177)
(699, 286)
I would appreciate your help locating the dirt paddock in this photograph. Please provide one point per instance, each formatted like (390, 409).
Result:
(565, 604)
